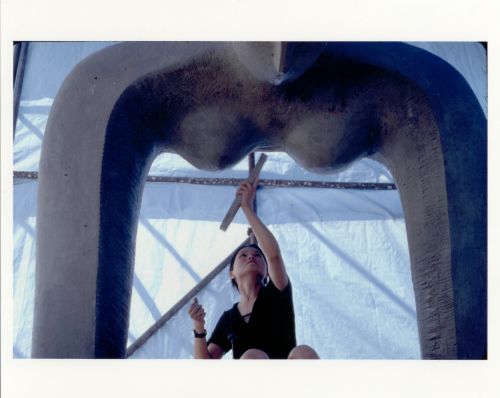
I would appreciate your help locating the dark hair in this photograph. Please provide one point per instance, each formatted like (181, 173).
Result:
(233, 258)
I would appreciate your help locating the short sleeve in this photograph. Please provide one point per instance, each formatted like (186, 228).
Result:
(220, 333)
(286, 292)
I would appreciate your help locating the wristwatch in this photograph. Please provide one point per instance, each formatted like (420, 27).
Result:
(201, 335)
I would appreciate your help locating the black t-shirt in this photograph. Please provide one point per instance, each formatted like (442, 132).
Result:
(271, 327)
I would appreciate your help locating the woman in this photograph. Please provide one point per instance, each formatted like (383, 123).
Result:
(261, 325)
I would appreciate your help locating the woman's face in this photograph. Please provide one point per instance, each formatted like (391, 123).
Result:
(249, 260)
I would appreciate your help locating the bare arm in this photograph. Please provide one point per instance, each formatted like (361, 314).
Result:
(201, 350)
(266, 240)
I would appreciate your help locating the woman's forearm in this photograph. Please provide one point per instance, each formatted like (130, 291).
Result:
(265, 238)
(197, 314)
(201, 348)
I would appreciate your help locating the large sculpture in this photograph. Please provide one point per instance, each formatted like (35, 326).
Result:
(324, 104)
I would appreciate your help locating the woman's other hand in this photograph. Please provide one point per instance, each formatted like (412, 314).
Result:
(197, 314)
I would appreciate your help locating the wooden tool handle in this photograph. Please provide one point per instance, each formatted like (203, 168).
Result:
(254, 173)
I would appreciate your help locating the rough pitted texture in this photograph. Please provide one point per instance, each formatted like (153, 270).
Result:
(212, 104)
(213, 112)
(411, 148)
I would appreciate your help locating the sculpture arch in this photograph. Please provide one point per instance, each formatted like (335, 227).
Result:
(324, 104)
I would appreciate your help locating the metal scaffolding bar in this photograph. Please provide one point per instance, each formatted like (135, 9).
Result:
(20, 56)
(251, 166)
(276, 183)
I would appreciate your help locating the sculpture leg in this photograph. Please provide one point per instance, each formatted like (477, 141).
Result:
(443, 221)
(70, 203)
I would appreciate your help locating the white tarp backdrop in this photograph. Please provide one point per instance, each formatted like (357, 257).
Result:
(345, 250)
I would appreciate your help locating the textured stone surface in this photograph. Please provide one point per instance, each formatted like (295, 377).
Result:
(325, 105)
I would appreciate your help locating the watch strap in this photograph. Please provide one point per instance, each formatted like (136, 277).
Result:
(200, 335)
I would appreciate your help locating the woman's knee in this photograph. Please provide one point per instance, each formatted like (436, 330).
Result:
(254, 353)
(303, 352)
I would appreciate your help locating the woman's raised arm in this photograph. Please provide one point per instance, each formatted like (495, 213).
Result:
(266, 240)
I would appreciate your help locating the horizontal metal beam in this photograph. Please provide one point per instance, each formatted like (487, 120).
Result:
(277, 183)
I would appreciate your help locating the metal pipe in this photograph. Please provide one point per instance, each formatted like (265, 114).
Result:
(251, 166)
(20, 65)
(275, 183)
(17, 47)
